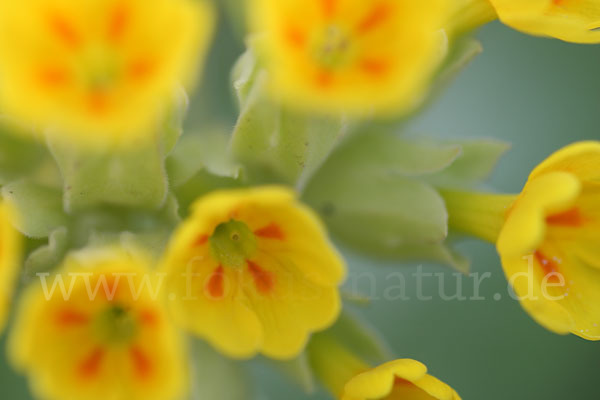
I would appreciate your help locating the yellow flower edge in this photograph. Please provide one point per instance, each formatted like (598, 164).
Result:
(10, 257)
(402, 379)
(548, 244)
(252, 271)
(353, 56)
(99, 73)
(568, 20)
(117, 344)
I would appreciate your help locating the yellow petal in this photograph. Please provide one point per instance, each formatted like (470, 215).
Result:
(10, 248)
(569, 20)
(436, 389)
(378, 382)
(290, 309)
(582, 159)
(224, 320)
(526, 284)
(525, 226)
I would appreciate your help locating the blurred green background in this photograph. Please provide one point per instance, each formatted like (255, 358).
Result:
(538, 94)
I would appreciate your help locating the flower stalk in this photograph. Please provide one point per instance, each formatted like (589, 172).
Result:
(477, 214)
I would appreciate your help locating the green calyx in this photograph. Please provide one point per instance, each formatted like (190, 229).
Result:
(116, 325)
(232, 243)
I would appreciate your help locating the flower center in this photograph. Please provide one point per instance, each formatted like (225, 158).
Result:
(332, 50)
(100, 68)
(115, 325)
(232, 243)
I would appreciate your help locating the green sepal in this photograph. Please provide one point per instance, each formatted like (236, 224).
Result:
(207, 150)
(172, 125)
(439, 253)
(200, 184)
(461, 52)
(273, 142)
(365, 342)
(216, 377)
(149, 226)
(371, 195)
(19, 156)
(475, 164)
(38, 207)
(132, 176)
(49, 256)
(377, 193)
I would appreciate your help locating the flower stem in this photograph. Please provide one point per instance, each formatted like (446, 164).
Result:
(481, 215)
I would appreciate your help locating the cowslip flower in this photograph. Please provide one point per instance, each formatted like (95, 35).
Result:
(98, 71)
(570, 20)
(104, 335)
(251, 270)
(355, 56)
(348, 377)
(547, 238)
(10, 247)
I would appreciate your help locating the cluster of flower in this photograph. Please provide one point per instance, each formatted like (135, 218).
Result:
(95, 86)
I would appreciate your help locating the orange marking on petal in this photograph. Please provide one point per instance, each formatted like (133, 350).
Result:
(377, 15)
(324, 79)
(71, 317)
(148, 317)
(572, 217)
(375, 68)
(64, 30)
(328, 7)
(140, 69)
(91, 364)
(271, 231)
(118, 23)
(262, 279)
(98, 101)
(214, 286)
(295, 36)
(53, 76)
(402, 382)
(141, 362)
(548, 266)
(200, 241)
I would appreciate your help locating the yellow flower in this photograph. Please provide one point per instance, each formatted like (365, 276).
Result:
(10, 248)
(403, 379)
(357, 56)
(251, 270)
(98, 71)
(349, 378)
(569, 20)
(547, 238)
(106, 336)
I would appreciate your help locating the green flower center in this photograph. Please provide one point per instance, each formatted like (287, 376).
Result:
(333, 49)
(232, 243)
(116, 325)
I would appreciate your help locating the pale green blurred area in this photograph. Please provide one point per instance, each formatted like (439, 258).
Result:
(537, 93)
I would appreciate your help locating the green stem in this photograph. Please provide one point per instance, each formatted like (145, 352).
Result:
(333, 364)
(477, 214)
